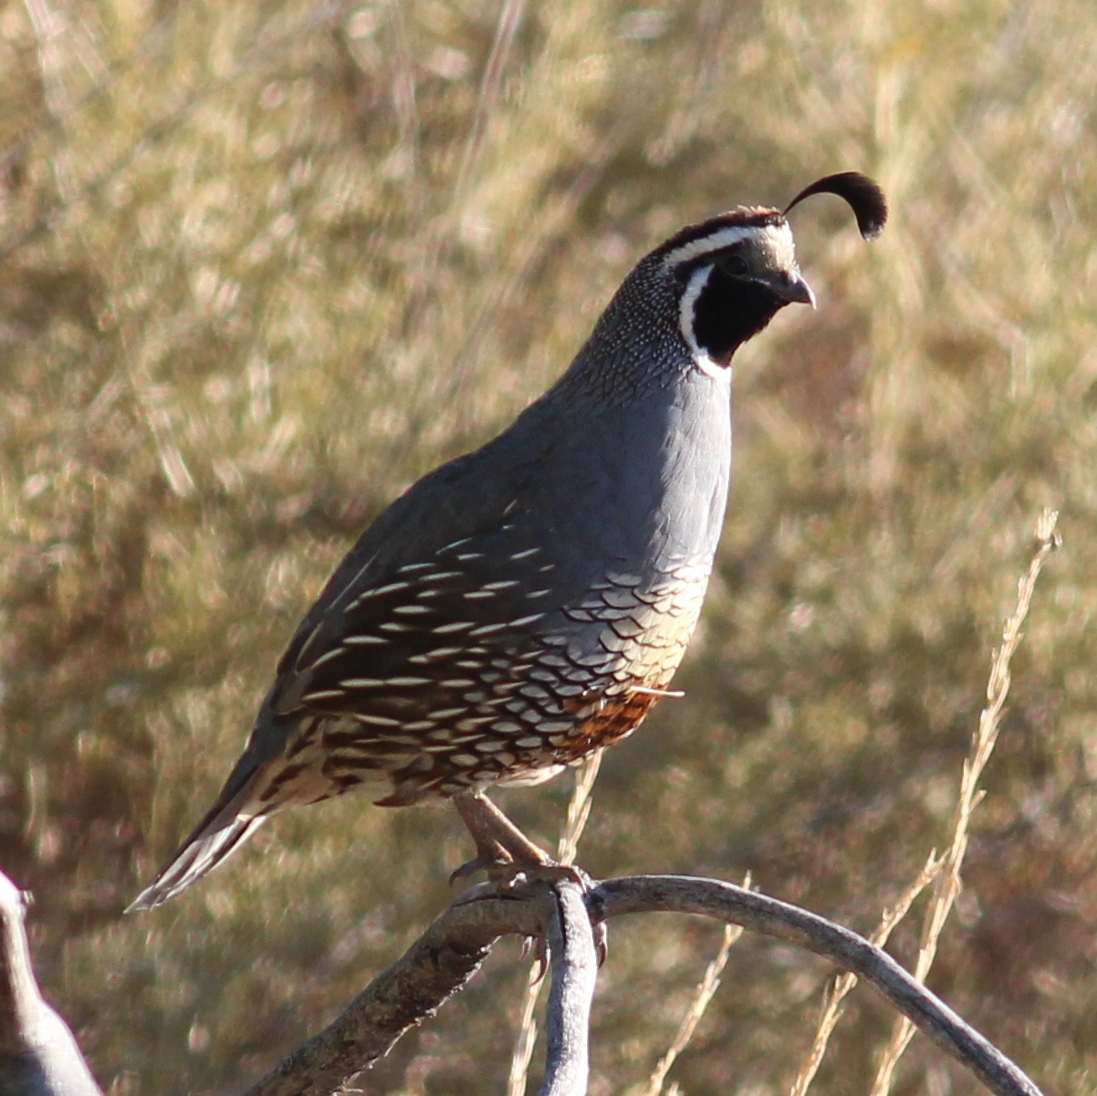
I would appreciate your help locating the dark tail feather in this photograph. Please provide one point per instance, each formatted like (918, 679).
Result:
(226, 826)
(210, 844)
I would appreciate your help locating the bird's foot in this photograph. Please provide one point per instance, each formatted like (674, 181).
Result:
(508, 875)
(551, 874)
(512, 860)
(567, 873)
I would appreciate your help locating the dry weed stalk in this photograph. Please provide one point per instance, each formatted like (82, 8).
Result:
(527, 1035)
(841, 985)
(707, 988)
(578, 809)
(948, 883)
(510, 18)
(566, 849)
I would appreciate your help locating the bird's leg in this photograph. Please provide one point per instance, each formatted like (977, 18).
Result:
(498, 839)
(503, 850)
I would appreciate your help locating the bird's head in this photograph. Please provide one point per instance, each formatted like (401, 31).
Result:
(736, 270)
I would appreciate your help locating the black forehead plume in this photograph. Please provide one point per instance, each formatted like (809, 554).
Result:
(863, 195)
(740, 217)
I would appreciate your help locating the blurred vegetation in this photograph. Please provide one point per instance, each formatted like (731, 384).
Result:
(262, 264)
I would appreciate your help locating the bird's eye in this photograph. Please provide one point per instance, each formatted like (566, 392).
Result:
(735, 264)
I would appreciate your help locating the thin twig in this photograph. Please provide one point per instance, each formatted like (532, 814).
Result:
(948, 882)
(64, 47)
(710, 983)
(843, 983)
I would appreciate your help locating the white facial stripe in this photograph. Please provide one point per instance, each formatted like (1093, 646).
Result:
(697, 282)
(779, 240)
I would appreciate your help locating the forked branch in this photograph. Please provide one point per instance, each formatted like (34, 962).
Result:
(558, 909)
(454, 946)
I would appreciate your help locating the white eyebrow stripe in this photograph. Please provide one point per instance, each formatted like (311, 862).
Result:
(724, 238)
(778, 237)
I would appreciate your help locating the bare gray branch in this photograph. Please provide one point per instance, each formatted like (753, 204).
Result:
(458, 941)
(39, 1057)
(847, 950)
(574, 973)
(440, 962)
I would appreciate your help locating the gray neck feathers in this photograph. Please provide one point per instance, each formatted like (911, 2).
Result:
(636, 345)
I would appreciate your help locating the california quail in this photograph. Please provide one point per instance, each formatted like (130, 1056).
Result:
(526, 604)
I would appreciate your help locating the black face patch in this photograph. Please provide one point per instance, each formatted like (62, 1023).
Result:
(729, 310)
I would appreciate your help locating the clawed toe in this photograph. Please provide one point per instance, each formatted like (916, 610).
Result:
(489, 862)
(539, 947)
(601, 940)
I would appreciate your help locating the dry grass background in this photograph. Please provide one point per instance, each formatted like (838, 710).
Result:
(262, 264)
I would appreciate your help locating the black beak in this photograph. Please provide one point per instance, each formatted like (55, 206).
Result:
(792, 289)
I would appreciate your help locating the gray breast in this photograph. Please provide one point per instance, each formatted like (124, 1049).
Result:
(546, 634)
